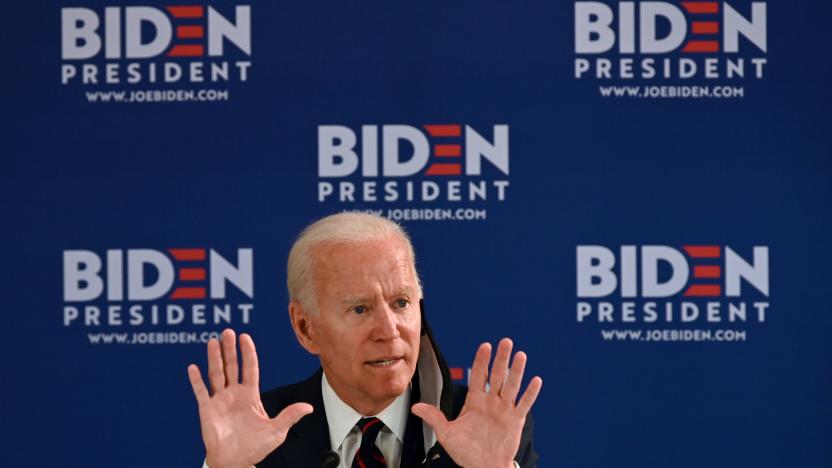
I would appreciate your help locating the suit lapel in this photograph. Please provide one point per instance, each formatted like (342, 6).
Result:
(311, 434)
(308, 440)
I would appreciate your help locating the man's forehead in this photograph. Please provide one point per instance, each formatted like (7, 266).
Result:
(350, 265)
(390, 251)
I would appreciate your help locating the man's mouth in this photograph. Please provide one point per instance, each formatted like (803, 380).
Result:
(384, 362)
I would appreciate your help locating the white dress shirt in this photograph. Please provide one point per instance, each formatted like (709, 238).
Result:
(345, 436)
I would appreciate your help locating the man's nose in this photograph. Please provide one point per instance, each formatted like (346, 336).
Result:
(386, 326)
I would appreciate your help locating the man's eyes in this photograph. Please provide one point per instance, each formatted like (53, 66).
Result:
(399, 303)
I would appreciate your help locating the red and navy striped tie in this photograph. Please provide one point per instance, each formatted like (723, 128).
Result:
(368, 455)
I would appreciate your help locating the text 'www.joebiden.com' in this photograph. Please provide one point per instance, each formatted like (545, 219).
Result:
(142, 338)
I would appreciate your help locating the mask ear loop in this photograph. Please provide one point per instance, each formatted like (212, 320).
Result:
(446, 398)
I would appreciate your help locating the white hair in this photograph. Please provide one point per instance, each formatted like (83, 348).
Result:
(341, 228)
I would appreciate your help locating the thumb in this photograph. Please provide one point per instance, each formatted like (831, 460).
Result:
(431, 415)
(290, 416)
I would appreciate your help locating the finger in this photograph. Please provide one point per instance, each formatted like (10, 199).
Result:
(251, 369)
(215, 372)
(499, 369)
(479, 370)
(290, 416)
(515, 377)
(229, 356)
(530, 395)
(431, 415)
(200, 392)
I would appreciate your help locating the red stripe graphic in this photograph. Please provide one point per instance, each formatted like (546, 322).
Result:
(444, 130)
(444, 169)
(701, 7)
(187, 51)
(192, 274)
(456, 373)
(705, 27)
(192, 32)
(186, 11)
(444, 151)
(703, 251)
(707, 271)
(188, 254)
(701, 46)
(702, 290)
(188, 293)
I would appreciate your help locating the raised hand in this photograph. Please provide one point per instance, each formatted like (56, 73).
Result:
(236, 429)
(487, 431)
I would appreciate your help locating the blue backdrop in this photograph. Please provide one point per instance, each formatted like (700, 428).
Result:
(238, 160)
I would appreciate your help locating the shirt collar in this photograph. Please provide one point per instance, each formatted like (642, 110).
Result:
(341, 417)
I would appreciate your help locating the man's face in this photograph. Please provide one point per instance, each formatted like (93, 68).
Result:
(368, 324)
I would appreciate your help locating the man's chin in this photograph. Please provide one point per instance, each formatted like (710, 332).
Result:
(388, 392)
(391, 385)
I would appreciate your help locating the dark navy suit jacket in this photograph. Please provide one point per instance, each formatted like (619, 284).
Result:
(308, 442)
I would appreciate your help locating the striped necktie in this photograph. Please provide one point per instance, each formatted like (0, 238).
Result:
(368, 455)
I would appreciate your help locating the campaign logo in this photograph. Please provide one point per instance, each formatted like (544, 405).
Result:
(171, 48)
(442, 166)
(717, 43)
(659, 286)
(173, 289)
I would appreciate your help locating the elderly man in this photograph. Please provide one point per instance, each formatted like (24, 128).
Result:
(355, 302)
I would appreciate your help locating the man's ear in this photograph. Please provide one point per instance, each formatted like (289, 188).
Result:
(302, 324)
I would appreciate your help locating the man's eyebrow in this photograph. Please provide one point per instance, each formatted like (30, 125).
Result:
(357, 299)
(406, 292)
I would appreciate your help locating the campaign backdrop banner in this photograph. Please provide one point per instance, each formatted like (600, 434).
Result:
(638, 193)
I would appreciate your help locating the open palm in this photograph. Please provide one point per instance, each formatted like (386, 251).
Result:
(235, 427)
(488, 429)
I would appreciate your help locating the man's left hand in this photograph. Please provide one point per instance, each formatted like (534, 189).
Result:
(487, 431)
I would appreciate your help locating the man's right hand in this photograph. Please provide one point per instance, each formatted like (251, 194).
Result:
(236, 429)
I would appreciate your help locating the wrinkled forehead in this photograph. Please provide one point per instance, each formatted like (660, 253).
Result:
(355, 268)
